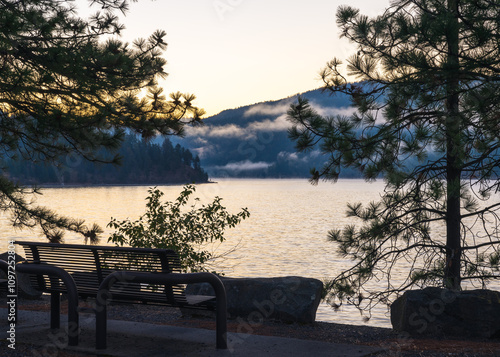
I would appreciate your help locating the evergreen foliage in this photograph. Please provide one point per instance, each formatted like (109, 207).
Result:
(429, 72)
(70, 87)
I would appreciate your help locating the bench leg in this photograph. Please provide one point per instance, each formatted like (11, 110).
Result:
(51, 271)
(73, 320)
(220, 314)
(55, 310)
(221, 330)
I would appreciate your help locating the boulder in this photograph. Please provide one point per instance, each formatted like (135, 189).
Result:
(441, 312)
(25, 289)
(286, 299)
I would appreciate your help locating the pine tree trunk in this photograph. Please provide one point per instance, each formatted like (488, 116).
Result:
(453, 133)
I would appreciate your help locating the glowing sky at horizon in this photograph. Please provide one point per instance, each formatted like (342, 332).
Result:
(231, 53)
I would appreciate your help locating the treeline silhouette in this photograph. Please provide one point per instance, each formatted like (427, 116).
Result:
(142, 163)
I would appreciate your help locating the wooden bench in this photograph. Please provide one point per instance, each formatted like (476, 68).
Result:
(119, 275)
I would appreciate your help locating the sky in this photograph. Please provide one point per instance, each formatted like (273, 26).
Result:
(231, 53)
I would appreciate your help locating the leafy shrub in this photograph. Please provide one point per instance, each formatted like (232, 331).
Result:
(167, 226)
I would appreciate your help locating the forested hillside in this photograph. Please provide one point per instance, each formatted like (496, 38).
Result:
(252, 141)
(142, 163)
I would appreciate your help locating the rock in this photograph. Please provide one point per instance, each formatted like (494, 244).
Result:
(25, 289)
(254, 300)
(440, 312)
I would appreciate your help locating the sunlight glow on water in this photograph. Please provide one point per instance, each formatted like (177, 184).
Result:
(284, 236)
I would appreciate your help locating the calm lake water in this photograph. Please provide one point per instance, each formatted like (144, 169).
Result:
(284, 236)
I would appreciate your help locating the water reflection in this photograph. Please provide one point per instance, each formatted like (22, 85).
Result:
(284, 236)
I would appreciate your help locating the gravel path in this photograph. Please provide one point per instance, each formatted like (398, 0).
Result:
(393, 343)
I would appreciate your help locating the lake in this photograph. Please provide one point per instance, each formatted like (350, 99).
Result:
(285, 234)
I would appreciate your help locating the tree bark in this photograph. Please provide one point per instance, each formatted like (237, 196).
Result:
(453, 156)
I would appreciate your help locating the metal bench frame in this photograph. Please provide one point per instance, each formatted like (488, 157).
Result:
(118, 274)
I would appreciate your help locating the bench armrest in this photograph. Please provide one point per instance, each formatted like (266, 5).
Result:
(104, 295)
(50, 270)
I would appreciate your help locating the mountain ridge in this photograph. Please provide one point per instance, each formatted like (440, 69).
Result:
(252, 140)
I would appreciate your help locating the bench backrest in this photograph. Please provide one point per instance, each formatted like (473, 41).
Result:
(90, 264)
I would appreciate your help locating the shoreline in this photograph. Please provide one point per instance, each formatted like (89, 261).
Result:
(214, 180)
(114, 185)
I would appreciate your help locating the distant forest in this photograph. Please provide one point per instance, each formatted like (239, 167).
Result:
(142, 163)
